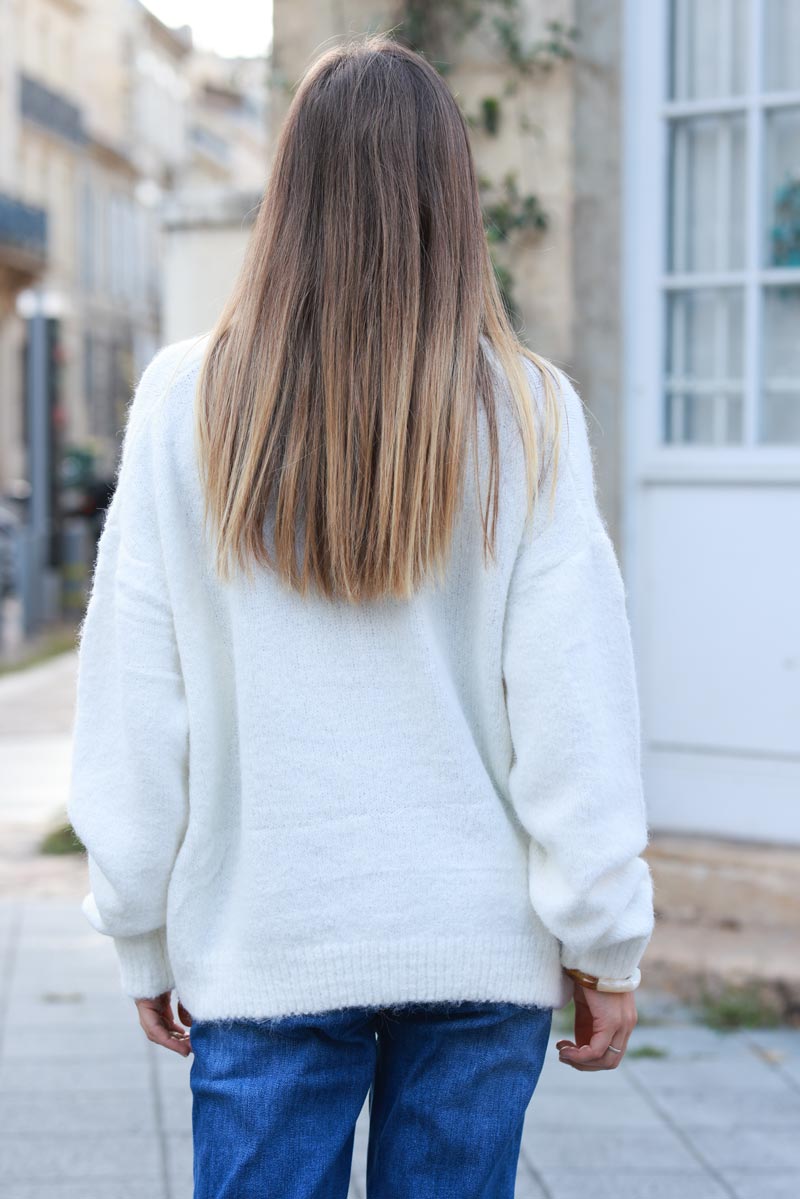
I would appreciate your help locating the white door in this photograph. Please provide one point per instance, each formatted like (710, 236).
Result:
(712, 353)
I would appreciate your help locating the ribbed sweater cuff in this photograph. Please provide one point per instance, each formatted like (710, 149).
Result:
(609, 961)
(145, 968)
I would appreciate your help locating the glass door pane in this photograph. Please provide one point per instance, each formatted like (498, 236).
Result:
(704, 383)
(782, 178)
(780, 404)
(708, 48)
(781, 45)
(706, 168)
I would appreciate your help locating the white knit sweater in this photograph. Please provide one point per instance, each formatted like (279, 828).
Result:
(294, 805)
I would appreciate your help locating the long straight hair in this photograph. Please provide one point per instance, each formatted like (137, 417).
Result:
(347, 368)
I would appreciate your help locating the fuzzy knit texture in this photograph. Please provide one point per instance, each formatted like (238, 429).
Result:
(292, 805)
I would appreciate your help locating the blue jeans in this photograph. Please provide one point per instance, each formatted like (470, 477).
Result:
(275, 1102)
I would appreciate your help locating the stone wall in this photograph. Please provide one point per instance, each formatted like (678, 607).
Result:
(560, 133)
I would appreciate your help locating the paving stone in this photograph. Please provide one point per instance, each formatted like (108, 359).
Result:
(555, 1109)
(594, 1149)
(763, 1184)
(689, 1041)
(116, 1189)
(780, 1048)
(184, 1189)
(747, 1148)
(176, 1110)
(528, 1187)
(57, 924)
(179, 1163)
(60, 1158)
(632, 1184)
(790, 1070)
(97, 1074)
(125, 1038)
(68, 1112)
(46, 917)
(358, 1186)
(716, 1108)
(67, 951)
(556, 1076)
(70, 1009)
(717, 1074)
(172, 1069)
(35, 981)
(785, 1041)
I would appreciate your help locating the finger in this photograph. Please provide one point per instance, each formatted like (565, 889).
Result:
(163, 1032)
(591, 1053)
(170, 1022)
(175, 1029)
(609, 1060)
(620, 1042)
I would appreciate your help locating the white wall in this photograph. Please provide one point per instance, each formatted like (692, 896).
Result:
(711, 543)
(203, 250)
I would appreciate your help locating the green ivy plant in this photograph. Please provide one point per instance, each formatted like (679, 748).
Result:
(556, 45)
(505, 211)
(785, 233)
(490, 115)
(432, 30)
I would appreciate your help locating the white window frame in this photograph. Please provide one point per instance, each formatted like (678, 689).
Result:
(646, 112)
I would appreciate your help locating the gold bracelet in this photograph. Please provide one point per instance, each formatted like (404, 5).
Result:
(585, 980)
(610, 985)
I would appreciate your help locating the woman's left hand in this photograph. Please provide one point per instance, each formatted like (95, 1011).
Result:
(161, 1027)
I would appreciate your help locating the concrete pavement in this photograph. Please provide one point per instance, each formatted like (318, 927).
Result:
(90, 1108)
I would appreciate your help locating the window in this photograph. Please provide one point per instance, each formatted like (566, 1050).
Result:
(732, 279)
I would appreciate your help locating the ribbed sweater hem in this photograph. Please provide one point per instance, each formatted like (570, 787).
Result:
(317, 978)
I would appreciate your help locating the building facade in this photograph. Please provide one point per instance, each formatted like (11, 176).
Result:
(107, 119)
(711, 337)
(74, 148)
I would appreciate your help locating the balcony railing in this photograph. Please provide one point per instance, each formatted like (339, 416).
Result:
(51, 110)
(22, 227)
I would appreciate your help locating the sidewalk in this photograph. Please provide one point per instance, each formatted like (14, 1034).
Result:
(90, 1109)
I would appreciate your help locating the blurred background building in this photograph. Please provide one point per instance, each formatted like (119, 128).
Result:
(640, 170)
(113, 129)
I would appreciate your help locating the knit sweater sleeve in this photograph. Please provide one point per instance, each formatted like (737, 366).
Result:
(572, 702)
(128, 797)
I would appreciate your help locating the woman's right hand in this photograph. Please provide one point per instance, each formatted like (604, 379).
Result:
(602, 1019)
(161, 1027)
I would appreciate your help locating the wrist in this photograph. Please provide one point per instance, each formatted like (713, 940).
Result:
(619, 960)
(607, 985)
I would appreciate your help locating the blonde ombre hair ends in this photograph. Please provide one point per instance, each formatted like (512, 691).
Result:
(345, 374)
